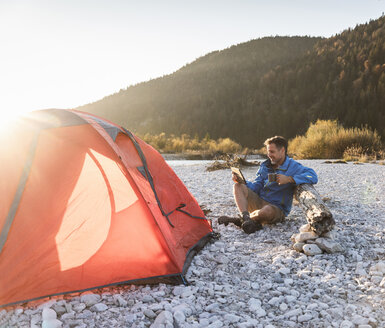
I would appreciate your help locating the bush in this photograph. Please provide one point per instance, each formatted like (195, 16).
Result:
(184, 143)
(328, 139)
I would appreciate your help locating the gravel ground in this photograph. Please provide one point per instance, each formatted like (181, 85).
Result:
(253, 280)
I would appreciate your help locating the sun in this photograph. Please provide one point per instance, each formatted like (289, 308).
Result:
(8, 117)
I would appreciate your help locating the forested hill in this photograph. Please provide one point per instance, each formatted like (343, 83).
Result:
(263, 87)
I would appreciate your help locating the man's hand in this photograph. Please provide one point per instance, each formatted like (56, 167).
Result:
(236, 178)
(284, 179)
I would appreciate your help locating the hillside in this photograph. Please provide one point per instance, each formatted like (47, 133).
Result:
(275, 85)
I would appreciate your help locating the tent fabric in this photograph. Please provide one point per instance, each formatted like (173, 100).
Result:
(78, 213)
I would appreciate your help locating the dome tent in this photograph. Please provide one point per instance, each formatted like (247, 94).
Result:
(86, 204)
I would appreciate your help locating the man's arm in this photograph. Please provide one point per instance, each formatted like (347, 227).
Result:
(257, 184)
(301, 174)
(305, 175)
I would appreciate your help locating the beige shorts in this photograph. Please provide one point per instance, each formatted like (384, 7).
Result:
(256, 203)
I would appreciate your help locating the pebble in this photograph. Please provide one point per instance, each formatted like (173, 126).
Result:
(311, 249)
(328, 245)
(298, 246)
(89, 299)
(304, 317)
(149, 313)
(51, 323)
(304, 236)
(99, 307)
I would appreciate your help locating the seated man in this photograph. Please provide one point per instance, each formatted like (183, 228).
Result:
(268, 199)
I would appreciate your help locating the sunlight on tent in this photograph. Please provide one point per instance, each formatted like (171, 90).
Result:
(89, 209)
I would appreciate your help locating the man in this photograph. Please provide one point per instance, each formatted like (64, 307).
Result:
(265, 202)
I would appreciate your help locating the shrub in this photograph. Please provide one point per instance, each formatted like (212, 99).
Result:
(328, 139)
(184, 143)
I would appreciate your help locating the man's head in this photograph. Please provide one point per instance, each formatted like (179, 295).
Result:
(276, 149)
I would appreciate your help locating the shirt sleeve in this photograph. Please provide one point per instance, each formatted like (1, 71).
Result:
(257, 184)
(305, 174)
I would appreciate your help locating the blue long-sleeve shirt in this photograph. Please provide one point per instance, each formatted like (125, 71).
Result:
(281, 195)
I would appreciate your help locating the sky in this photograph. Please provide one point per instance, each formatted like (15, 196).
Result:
(63, 54)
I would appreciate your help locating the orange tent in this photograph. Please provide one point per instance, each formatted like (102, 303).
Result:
(86, 204)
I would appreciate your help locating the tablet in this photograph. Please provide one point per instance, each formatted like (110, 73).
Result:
(238, 173)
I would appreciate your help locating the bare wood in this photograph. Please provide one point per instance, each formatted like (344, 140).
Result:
(317, 213)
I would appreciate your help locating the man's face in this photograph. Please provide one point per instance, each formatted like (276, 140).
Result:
(276, 154)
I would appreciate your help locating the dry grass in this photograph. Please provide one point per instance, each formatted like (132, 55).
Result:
(328, 139)
(187, 144)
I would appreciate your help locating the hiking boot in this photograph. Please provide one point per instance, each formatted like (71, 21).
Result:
(228, 219)
(251, 226)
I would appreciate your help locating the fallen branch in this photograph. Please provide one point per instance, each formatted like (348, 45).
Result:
(317, 213)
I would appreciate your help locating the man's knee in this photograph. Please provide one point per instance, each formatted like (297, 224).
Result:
(267, 212)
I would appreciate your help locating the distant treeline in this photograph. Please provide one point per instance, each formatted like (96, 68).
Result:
(265, 87)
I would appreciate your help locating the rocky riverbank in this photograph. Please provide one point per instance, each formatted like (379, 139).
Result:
(256, 280)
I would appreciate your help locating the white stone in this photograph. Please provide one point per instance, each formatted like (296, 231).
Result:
(254, 304)
(274, 301)
(89, 299)
(147, 299)
(255, 285)
(149, 313)
(283, 307)
(184, 308)
(303, 236)
(298, 247)
(216, 324)
(360, 269)
(305, 228)
(260, 313)
(311, 249)
(359, 320)
(284, 271)
(378, 267)
(288, 281)
(48, 314)
(328, 245)
(120, 300)
(99, 307)
(47, 304)
(346, 324)
(179, 317)
(51, 323)
(163, 318)
(305, 317)
(376, 280)
(232, 318)
(293, 313)
(178, 290)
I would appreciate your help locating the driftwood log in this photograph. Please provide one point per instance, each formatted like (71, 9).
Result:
(317, 213)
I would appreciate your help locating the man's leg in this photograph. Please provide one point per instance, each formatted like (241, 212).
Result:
(242, 199)
(241, 193)
(267, 214)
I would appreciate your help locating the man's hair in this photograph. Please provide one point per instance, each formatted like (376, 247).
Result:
(278, 141)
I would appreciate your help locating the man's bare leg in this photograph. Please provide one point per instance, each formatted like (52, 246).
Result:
(265, 215)
(240, 195)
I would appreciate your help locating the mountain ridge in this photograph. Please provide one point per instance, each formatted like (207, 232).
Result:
(273, 85)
